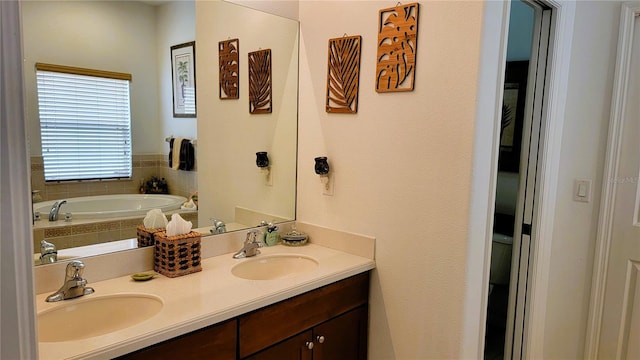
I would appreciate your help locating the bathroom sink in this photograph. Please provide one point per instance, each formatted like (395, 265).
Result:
(93, 316)
(272, 267)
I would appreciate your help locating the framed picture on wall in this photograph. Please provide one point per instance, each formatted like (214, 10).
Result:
(514, 99)
(183, 78)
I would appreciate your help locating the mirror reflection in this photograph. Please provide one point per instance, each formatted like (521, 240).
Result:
(135, 37)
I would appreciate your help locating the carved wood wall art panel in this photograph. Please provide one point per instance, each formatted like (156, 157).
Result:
(397, 46)
(260, 101)
(343, 74)
(229, 62)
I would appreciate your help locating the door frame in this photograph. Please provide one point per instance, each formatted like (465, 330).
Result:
(629, 12)
(533, 133)
(485, 166)
(18, 325)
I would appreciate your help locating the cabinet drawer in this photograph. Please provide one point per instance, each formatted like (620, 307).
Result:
(214, 342)
(265, 327)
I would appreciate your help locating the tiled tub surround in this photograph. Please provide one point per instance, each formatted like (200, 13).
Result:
(183, 183)
(82, 232)
(198, 300)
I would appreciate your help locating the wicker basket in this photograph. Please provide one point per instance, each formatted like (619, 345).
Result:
(177, 255)
(146, 236)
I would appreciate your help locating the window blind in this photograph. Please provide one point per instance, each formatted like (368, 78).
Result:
(85, 126)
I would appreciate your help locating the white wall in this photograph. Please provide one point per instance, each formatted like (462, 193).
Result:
(402, 168)
(584, 139)
(229, 136)
(114, 36)
(175, 25)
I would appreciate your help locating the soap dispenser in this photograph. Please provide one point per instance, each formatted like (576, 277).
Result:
(271, 236)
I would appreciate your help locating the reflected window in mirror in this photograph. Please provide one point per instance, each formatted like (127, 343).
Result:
(85, 123)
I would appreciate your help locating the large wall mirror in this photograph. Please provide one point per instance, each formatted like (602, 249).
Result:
(135, 37)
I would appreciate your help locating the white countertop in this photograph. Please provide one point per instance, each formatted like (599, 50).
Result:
(201, 299)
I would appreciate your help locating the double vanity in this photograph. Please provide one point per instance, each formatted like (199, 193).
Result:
(285, 299)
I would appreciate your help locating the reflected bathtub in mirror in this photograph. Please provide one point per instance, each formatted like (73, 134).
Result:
(111, 206)
(103, 218)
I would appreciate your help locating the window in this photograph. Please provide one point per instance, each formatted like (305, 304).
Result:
(85, 123)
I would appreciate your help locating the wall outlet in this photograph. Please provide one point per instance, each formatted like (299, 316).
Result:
(268, 176)
(327, 184)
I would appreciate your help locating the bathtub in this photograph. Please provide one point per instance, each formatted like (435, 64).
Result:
(111, 206)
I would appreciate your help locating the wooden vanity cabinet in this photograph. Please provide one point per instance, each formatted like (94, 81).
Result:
(327, 323)
(344, 338)
(332, 320)
(213, 342)
(294, 348)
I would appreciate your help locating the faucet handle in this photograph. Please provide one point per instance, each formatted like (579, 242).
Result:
(75, 269)
(47, 248)
(253, 236)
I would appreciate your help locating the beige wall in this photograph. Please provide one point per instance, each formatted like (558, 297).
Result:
(126, 36)
(416, 204)
(115, 36)
(175, 25)
(402, 168)
(229, 135)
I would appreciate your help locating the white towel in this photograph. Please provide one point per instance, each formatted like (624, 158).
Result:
(175, 153)
(189, 205)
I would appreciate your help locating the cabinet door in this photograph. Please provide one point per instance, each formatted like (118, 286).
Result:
(217, 342)
(273, 324)
(295, 348)
(344, 337)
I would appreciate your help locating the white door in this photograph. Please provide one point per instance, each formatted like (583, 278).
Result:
(614, 331)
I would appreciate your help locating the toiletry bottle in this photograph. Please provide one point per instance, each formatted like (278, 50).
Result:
(271, 236)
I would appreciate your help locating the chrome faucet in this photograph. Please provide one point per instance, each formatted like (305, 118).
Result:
(251, 245)
(53, 214)
(48, 252)
(219, 227)
(74, 285)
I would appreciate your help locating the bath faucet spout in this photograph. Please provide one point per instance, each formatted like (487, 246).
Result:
(53, 214)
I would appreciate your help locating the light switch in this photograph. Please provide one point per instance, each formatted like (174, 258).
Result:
(582, 190)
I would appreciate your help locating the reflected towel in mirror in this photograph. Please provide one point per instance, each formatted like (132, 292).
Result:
(181, 154)
(174, 152)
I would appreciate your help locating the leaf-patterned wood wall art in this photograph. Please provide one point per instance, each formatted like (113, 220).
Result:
(260, 101)
(343, 74)
(397, 46)
(229, 62)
